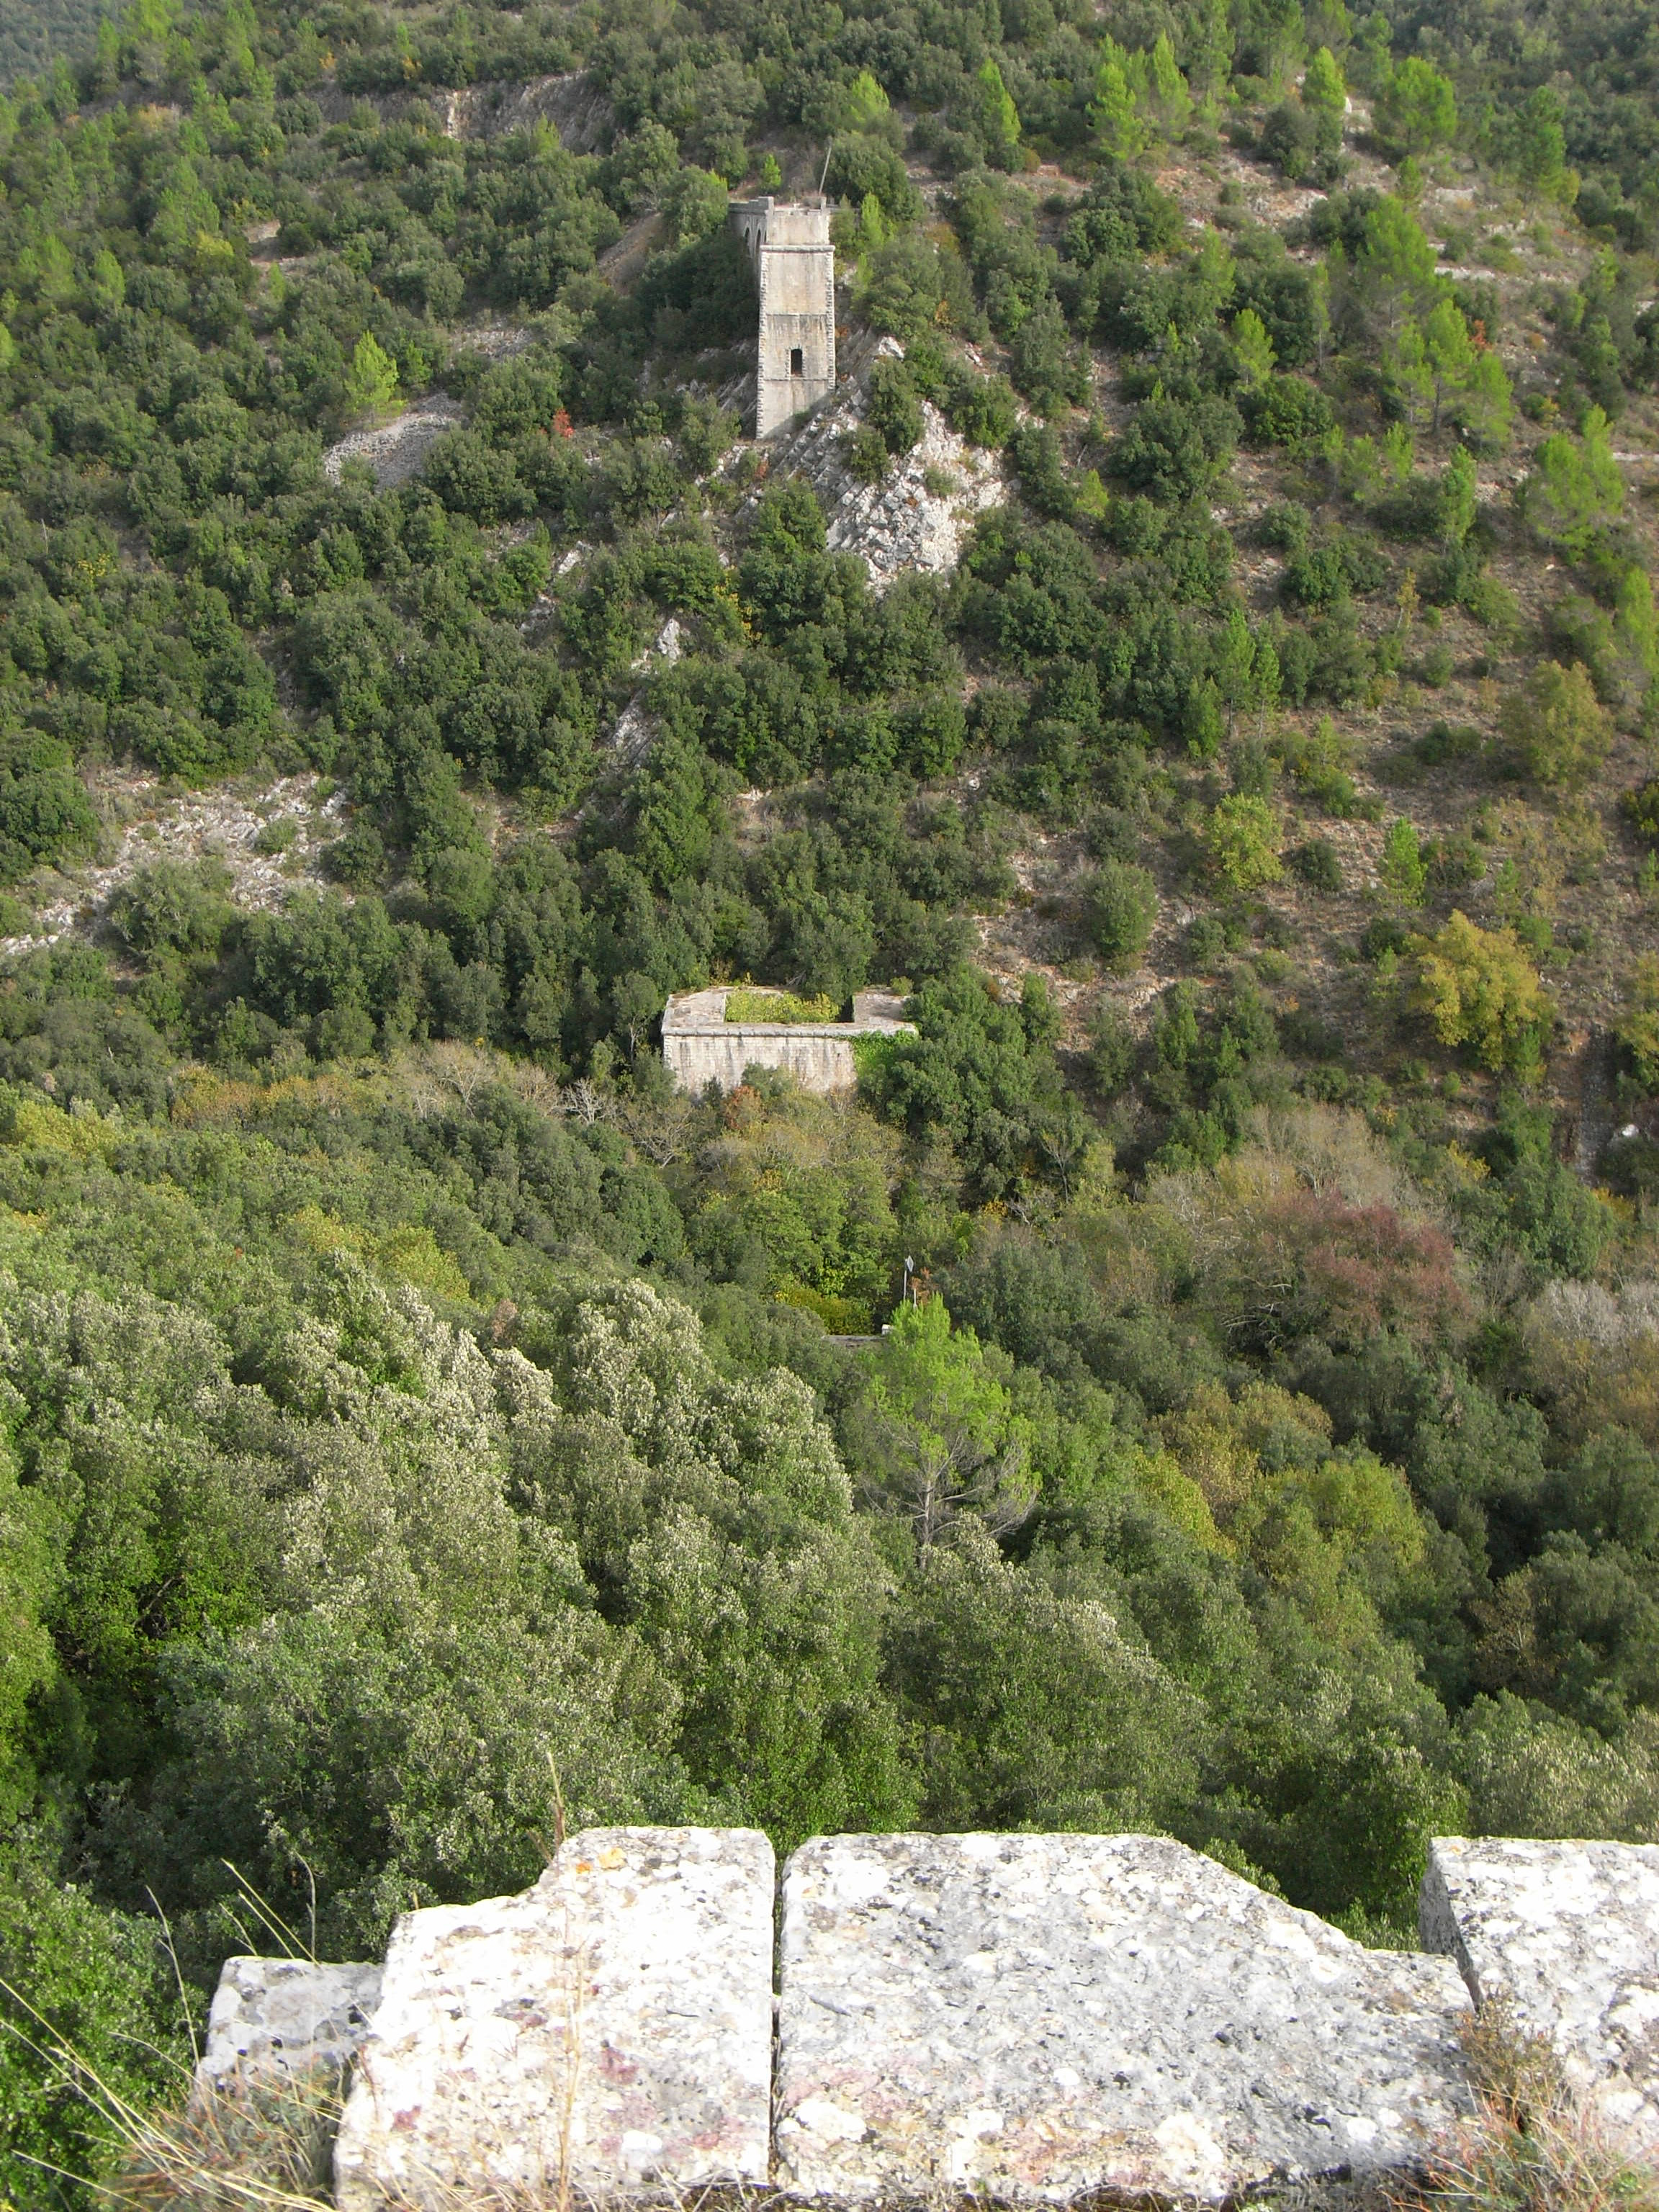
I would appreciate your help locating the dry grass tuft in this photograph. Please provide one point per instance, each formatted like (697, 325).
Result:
(1534, 2143)
(265, 2147)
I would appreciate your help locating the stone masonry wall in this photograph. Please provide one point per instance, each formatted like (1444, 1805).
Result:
(700, 1046)
(788, 242)
(1027, 2017)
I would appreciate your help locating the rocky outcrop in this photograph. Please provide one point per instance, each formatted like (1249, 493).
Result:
(266, 843)
(576, 107)
(285, 2018)
(916, 519)
(606, 2033)
(397, 450)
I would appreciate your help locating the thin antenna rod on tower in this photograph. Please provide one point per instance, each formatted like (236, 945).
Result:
(825, 178)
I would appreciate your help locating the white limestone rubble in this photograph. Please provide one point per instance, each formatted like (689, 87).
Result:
(606, 2033)
(1564, 1937)
(1030, 2017)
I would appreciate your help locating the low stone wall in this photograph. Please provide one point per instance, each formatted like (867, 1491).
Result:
(700, 1046)
(1028, 2018)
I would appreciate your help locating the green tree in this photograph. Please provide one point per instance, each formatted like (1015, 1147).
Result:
(1234, 662)
(980, 1072)
(1449, 352)
(1279, 36)
(372, 382)
(1403, 867)
(1038, 1710)
(867, 103)
(1636, 627)
(1323, 88)
(1536, 145)
(950, 1442)
(1120, 904)
(1208, 45)
(1482, 407)
(1417, 110)
(1557, 726)
(30, 1567)
(695, 204)
(1166, 98)
(1480, 987)
(1459, 497)
(1242, 839)
(998, 118)
(1394, 268)
(1114, 111)
(1638, 1026)
(723, 1515)
(100, 1985)
(893, 412)
(109, 285)
(1253, 348)
(1574, 485)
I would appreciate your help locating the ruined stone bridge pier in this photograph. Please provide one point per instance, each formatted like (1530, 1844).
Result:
(1029, 2018)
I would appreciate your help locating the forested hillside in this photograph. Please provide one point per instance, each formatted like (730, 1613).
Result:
(422, 1422)
(34, 33)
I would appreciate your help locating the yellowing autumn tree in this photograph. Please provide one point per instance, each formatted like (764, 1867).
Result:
(1479, 988)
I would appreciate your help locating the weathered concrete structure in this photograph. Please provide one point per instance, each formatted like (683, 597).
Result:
(1034, 2017)
(788, 242)
(1565, 1937)
(285, 2016)
(608, 2031)
(700, 1046)
(1028, 2019)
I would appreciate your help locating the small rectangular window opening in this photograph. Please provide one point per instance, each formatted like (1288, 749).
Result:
(796, 362)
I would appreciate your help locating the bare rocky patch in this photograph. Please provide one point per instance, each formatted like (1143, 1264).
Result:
(267, 842)
(917, 518)
(575, 106)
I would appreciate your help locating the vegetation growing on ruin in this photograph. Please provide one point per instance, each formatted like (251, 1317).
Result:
(762, 1005)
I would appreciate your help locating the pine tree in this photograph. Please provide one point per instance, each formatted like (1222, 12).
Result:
(372, 382)
(1113, 111)
(1322, 85)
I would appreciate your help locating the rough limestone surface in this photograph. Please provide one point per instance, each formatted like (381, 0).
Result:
(1565, 1937)
(573, 104)
(1035, 2016)
(606, 2033)
(904, 523)
(273, 2017)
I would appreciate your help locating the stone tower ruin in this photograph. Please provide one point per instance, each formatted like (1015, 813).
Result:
(788, 243)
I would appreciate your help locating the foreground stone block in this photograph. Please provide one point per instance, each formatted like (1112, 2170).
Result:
(1565, 1935)
(1034, 2016)
(276, 2018)
(608, 2031)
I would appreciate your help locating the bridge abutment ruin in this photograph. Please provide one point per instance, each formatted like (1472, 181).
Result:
(1019, 2019)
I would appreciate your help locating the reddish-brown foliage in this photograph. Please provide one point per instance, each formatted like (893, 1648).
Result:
(1308, 1265)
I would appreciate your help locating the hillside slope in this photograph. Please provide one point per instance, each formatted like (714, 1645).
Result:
(1204, 658)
